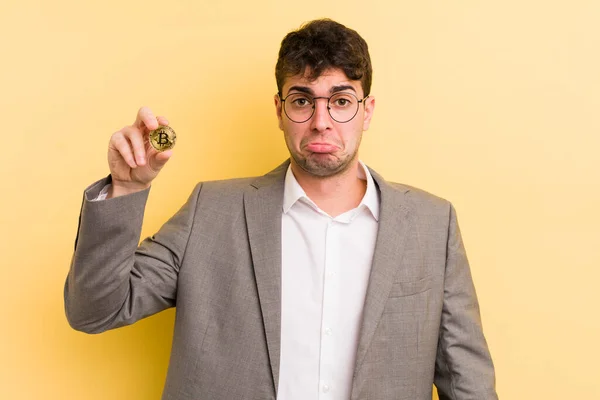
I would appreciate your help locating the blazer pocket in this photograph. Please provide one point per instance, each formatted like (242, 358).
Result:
(402, 289)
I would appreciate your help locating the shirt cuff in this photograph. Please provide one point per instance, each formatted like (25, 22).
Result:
(103, 193)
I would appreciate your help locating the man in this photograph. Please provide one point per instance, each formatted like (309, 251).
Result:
(318, 280)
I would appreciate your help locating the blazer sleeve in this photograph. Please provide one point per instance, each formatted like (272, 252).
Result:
(112, 281)
(464, 368)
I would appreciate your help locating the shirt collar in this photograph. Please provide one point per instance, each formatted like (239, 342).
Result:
(294, 192)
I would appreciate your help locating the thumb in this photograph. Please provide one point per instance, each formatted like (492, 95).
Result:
(161, 158)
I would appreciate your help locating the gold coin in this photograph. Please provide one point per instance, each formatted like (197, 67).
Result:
(163, 138)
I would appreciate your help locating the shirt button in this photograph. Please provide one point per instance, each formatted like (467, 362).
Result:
(327, 332)
(325, 388)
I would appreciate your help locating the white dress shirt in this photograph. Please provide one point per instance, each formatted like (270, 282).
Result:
(326, 264)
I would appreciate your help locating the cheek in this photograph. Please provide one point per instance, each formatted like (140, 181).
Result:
(353, 134)
(292, 136)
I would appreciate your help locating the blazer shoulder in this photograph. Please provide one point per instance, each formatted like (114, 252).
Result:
(224, 191)
(228, 185)
(422, 201)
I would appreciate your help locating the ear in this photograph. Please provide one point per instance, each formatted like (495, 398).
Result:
(279, 110)
(369, 109)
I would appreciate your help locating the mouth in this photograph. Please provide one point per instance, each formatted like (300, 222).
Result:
(318, 147)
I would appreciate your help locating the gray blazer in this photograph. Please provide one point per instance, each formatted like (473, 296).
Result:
(218, 260)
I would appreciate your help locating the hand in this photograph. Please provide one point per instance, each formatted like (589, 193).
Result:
(133, 162)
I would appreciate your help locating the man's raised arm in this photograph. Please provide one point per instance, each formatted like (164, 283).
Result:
(112, 282)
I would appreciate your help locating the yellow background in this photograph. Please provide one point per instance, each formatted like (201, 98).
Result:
(493, 105)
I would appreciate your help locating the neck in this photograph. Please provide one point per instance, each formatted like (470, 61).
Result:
(333, 194)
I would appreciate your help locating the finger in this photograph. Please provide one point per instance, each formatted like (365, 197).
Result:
(120, 143)
(162, 121)
(145, 119)
(137, 143)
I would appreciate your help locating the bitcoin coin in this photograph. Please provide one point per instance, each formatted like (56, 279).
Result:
(163, 138)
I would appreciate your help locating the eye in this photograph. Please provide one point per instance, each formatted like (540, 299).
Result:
(342, 101)
(300, 101)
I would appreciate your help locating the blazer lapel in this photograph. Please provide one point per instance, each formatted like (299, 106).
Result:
(395, 223)
(263, 203)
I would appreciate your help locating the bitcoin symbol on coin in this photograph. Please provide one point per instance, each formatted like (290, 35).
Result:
(163, 138)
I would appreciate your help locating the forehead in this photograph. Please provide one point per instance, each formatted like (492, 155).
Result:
(323, 83)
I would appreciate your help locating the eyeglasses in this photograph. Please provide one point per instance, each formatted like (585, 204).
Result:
(300, 107)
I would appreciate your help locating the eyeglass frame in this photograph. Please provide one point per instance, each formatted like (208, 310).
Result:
(314, 107)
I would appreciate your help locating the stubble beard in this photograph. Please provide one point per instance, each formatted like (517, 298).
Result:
(325, 165)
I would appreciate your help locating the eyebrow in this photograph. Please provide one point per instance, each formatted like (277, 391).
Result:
(302, 89)
(334, 89)
(341, 88)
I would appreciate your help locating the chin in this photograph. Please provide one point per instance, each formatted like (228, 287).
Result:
(324, 168)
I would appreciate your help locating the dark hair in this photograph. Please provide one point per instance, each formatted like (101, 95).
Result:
(320, 45)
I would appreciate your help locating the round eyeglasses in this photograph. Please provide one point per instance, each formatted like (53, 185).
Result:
(342, 106)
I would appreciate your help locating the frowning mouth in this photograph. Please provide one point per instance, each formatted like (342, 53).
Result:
(317, 147)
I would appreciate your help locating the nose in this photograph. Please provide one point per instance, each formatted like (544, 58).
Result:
(321, 119)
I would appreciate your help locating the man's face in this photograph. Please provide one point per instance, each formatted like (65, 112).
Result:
(321, 146)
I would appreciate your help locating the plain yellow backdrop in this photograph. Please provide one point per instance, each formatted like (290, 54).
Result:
(493, 105)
